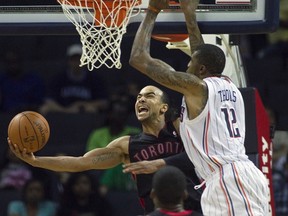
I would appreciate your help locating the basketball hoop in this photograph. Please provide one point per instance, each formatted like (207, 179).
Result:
(170, 37)
(101, 25)
(175, 41)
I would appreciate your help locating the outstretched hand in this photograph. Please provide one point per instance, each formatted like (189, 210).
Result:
(143, 167)
(23, 155)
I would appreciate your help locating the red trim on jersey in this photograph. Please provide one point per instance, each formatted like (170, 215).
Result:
(242, 189)
(182, 213)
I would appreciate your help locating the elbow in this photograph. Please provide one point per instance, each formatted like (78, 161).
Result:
(138, 59)
(134, 60)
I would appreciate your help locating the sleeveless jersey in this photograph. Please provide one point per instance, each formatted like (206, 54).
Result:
(216, 136)
(148, 147)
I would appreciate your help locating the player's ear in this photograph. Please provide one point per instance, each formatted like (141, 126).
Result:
(202, 69)
(164, 108)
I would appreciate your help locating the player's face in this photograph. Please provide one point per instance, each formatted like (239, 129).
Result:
(193, 66)
(148, 103)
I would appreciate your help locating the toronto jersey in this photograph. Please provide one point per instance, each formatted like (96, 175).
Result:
(216, 136)
(148, 147)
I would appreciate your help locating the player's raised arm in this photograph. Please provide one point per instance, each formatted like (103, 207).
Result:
(189, 9)
(159, 71)
(101, 158)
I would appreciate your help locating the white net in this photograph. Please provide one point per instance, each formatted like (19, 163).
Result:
(101, 25)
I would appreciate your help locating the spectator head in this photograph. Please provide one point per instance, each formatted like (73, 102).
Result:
(80, 186)
(74, 53)
(74, 50)
(34, 191)
(168, 187)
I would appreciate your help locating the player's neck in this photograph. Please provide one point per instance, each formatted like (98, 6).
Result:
(153, 128)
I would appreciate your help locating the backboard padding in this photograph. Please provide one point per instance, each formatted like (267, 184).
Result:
(213, 18)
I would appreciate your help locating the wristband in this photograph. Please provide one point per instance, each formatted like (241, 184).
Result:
(155, 10)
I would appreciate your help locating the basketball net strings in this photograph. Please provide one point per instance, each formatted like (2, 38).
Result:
(100, 34)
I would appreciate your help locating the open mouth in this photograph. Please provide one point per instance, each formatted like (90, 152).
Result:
(142, 109)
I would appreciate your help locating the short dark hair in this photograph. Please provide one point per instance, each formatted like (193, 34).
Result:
(212, 57)
(169, 184)
(172, 113)
(165, 98)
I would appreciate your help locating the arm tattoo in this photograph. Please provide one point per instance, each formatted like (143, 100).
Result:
(167, 76)
(104, 157)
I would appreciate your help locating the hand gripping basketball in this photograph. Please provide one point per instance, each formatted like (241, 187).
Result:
(29, 130)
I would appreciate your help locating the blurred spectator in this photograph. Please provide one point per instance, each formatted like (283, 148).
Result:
(76, 89)
(278, 40)
(169, 190)
(280, 149)
(14, 173)
(34, 201)
(81, 197)
(280, 186)
(115, 180)
(20, 90)
(116, 126)
(280, 172)
(59, 179)
(125, 91)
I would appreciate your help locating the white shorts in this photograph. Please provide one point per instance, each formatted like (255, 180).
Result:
(238, 189)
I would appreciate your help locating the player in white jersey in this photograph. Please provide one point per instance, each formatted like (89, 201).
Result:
(216, 136)
(214, 141)
(212, 119)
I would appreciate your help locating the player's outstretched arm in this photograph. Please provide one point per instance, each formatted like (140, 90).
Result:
(156, 69)
(101, 158)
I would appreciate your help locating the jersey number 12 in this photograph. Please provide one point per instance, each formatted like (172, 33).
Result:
(230, 119)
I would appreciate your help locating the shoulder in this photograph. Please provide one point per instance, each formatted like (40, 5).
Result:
(121, 142)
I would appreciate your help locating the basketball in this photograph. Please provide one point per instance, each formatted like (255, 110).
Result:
(29, 130)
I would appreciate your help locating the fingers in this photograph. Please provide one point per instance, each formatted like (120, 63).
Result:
(143, 167)
(129, 168)
(13, 146)
(16, 150)
(133, 168)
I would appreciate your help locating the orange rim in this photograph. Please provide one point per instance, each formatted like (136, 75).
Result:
(106, 12)
(170, 37)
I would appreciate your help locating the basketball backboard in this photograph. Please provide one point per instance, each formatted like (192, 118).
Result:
(215, 17)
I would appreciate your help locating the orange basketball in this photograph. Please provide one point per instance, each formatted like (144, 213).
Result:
(29, 130)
